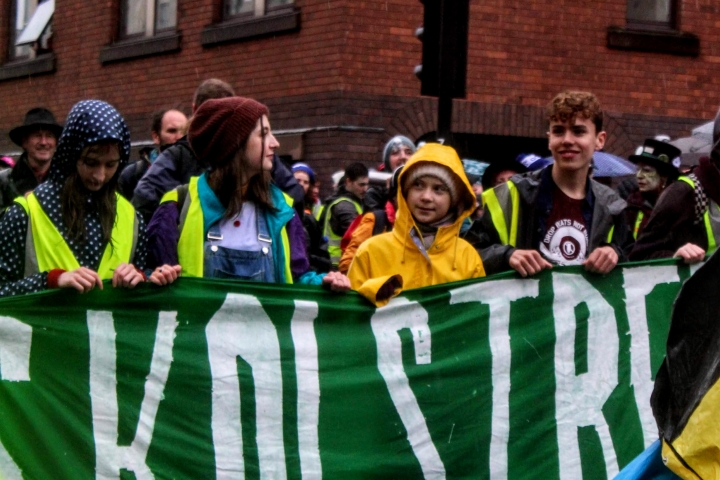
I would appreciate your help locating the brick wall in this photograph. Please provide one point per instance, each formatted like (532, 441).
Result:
(350, 65)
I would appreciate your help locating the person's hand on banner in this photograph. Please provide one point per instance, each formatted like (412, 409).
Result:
(126, 276)
(165, 275)
(601, 260)
(528, 262)
(81, 279)
(690, 253)
(337, 282)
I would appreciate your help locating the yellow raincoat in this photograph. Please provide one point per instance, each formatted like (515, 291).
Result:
(395, 256)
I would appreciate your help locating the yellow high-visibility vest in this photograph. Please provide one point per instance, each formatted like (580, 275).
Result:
(46, 249)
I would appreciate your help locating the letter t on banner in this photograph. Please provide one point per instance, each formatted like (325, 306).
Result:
(498, 295)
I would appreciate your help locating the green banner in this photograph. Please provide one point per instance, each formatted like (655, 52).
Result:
(548, 377)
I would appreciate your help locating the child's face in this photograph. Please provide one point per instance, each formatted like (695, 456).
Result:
(573, 143)
(428, 199)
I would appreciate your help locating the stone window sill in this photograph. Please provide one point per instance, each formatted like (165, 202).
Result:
(670, 42)
(285, 20)
(44, 63)
(137, 48)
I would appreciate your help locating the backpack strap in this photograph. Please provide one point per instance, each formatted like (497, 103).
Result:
(380, 222)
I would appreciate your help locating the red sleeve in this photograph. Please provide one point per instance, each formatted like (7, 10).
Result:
(54, 276)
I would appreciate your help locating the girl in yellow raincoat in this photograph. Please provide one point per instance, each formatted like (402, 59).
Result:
(424, 247)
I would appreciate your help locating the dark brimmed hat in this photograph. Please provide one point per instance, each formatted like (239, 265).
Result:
(661, 155)
(36, 118)
(498, 166)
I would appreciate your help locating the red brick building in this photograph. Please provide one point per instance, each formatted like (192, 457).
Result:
(338, 74)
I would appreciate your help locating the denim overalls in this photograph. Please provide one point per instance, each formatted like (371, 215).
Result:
(221, 262)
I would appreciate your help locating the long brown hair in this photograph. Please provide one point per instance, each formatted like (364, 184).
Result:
(231, 183)
(74, 203)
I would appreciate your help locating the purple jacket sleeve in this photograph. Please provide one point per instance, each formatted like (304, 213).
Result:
(163, 235)
(299, 263)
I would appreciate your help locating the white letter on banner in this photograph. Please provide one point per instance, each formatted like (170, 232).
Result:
(579, 398)
(397, 315)
(308, 385)
(639, 283)
(15, 342)
(242, 328)
(109, 457)
(498, 295)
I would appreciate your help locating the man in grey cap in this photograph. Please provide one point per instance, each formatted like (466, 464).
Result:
(38, 136)
(397, 151)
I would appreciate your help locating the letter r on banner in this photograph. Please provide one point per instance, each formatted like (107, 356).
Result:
(579, 398)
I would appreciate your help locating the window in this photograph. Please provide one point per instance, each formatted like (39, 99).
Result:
(31, 29)
(241, 19)
(650, 14)
(147, 17)
(255, 8)
(147, 27)
(653, 26)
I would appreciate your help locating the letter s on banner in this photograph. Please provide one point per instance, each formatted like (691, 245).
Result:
(397, 315)
(579, 398)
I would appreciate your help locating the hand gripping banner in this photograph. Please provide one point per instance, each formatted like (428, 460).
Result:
(548, 377)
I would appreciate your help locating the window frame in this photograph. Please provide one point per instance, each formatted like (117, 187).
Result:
(669, 26)
(262, 21)
(14, 33)
(151, 29)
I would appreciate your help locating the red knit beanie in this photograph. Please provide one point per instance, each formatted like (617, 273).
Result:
(220, 126)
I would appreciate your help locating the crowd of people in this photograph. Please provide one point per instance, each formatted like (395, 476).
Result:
(212, 199)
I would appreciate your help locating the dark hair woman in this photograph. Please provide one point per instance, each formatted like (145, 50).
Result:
(75, 231)
(232, 222)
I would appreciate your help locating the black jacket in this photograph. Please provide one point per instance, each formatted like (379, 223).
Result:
(16, 181)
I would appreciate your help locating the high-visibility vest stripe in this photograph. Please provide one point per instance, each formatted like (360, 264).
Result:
(638, 221)
(492, 203)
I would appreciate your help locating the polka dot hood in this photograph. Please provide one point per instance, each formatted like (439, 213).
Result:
(89, 122)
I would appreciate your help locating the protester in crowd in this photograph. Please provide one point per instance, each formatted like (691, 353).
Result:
(38, 138)
(343, 207)
(369, 224)
(424, 247)
(686, 217)
(396, 152)
(557, 215)
(168, 126)
(231, 221)
(499, 171)
(177, 164)
(75, 230)
(316, 247)
(657, 168)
